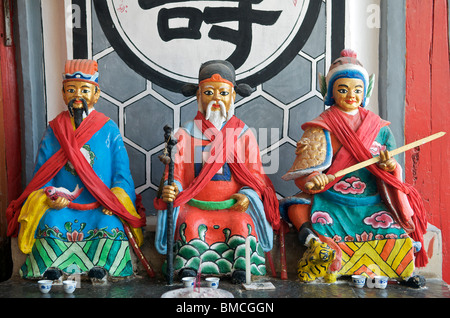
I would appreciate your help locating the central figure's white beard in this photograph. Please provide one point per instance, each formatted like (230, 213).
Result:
(217, 118)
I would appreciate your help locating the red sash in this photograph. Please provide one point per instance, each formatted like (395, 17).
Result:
(71, 141)
(356, 149)
(220, 154)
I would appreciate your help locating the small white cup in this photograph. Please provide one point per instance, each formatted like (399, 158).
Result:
(188, 282)
(69, 286)
(45, 285)
(212, 282)
(358, 280)
(381, 282)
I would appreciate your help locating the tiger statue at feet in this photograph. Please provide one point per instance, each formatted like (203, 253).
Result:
(315, 262)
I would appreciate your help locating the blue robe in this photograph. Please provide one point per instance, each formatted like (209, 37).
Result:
(77, 240)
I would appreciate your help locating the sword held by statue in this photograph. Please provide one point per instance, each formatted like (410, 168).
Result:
(363, 164)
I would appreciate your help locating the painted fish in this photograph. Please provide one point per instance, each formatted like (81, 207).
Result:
(53, 193)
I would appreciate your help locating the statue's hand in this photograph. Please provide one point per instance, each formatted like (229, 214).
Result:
(241, 204)
(58, 204)
(169, 193)
(387, 163)
(319, 182)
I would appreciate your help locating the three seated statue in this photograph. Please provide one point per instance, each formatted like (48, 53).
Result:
(80, 211)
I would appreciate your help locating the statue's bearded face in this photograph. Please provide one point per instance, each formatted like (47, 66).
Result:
(78, 90)
(216, 101)
(80, 97)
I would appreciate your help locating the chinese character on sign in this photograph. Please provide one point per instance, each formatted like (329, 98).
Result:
(166, 40)
(243, 14)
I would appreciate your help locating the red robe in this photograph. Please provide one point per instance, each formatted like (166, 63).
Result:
(230, 163)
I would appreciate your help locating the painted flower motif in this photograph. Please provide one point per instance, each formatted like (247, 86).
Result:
(381, 220)
(364, 237)
(322, 217)
(349, 238)
(337, 238)
(376, 148)
(75, 236)
(352, 185)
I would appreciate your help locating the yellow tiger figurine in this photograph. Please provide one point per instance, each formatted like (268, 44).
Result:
(315, 262)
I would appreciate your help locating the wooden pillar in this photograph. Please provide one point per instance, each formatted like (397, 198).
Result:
(10, 159)
(428, 111)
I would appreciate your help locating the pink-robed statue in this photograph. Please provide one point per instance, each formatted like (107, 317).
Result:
(221, 194)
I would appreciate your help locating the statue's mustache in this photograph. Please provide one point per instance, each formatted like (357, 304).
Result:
(77, 113)
(82, 100)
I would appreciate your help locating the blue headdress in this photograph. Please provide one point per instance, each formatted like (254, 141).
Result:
(346, 66)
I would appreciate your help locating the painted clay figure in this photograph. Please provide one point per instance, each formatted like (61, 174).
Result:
(316, 261)
(221, 194)
(71, 216)
(369, 217)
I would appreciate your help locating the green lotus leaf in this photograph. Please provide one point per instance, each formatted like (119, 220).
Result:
(202, 231)
(210, 268)
(257, 259)
(210, 256)
(224, 265)
(249, 227)
(259, 250)
(236, 240)
(220, 247)
(193, 263)
(178, 262)
(199, 245)
(181, 231)
(239, 263)
(188, 251)
(253, 243)
(177, 245)
(227, 234)
(68, 226)
(259, 270)
(239, 251)
(228, 255)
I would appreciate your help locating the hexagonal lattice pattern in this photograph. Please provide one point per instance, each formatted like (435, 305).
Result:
(275, 111)
(291, 83)
(142, 117)
(261, 114)
(115, 81)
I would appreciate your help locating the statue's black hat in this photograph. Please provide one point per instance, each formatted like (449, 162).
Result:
(217, 69)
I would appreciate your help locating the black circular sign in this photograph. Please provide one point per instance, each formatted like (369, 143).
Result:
(166, 41)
